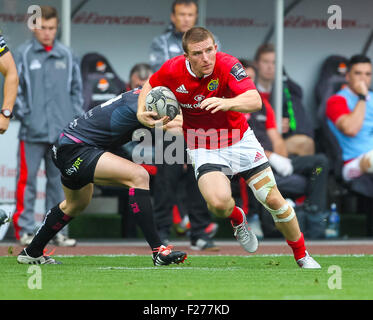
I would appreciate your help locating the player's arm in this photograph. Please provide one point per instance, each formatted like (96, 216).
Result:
(145, 117)
(351, 123)
(247, 102)
(9, 71)
(148, 118)
(346, 121)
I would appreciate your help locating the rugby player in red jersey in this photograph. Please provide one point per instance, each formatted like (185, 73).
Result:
(214, 91)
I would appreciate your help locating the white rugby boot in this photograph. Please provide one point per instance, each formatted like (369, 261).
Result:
(24, 258)
(308, 262)
(245, 236)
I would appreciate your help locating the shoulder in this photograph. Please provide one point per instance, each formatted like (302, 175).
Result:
(336, 99)
(66, 51)
(336, 106)
(228, 63)
(225, 60)
(24, 50)
(24, 46)
(62, 48)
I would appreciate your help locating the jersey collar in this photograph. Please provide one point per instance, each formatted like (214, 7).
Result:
(189, 68)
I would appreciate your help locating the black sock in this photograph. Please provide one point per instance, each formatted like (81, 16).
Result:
(53, 222)
(141, 207)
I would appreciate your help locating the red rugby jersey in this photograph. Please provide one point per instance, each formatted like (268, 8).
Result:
(202, 129)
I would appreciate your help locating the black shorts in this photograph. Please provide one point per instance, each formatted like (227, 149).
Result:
(209, 167)
(77, 163)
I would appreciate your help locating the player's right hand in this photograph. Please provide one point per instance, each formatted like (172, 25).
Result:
(361, 87)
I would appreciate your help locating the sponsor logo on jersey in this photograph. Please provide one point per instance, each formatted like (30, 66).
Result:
(182, 89)
(213, 84)
(238, 72)
(199, 98)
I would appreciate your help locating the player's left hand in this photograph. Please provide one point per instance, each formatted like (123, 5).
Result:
(215, 104)
(151, 119)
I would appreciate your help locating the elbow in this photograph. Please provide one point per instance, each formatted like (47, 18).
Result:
(350, 131)
(258, 104)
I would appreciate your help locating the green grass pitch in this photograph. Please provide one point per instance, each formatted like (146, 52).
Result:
(199, 278)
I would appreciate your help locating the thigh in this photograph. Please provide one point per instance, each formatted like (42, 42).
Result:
(117, 171)
(300, 144)
(215, 186)
(77, 163)
(51, 171)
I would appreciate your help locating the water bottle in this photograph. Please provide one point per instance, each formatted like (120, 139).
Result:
(333, 223)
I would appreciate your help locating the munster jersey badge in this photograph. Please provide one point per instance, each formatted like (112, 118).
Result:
(213, 84)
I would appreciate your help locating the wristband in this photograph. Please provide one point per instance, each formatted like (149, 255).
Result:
(362, 97)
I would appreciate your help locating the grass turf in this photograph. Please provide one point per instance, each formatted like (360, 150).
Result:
(200, 277)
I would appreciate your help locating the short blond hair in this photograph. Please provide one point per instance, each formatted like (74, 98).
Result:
(194, 35)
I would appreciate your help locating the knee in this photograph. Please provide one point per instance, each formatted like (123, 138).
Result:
(73, 209)
(221, 205)
(274, 199)
(139, 178)
(366, 163)
(279, 208)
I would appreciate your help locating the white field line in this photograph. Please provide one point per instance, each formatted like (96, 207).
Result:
(216, 255)
(231, 243)
(222, 243)
(167, 268)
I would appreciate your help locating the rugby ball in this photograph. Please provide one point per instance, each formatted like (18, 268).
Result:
(163, 101)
